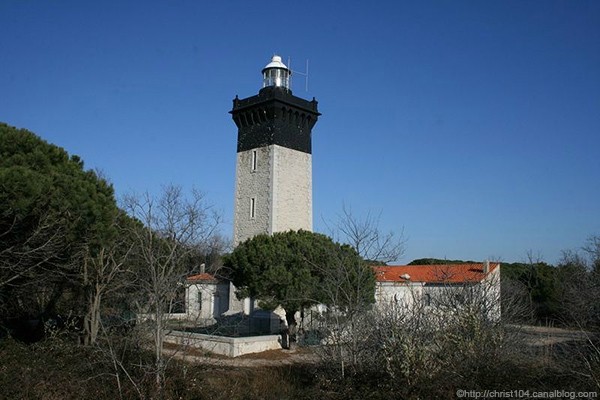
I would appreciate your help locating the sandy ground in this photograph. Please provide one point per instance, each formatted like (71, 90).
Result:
(545, 336)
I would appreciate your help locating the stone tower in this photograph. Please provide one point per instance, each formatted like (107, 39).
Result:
(273, 186)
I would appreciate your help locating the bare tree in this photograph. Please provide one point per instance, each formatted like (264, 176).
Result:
(425, 332)
(22, 259)
(413, 344)
(33, 266)
(211, 252)
(366, 237)
(102, 275)
(348, 289)
(172, 228)
(401, 346)
(592, 248)
(578, 281)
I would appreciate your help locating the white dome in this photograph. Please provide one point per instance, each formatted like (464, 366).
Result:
(275, 63)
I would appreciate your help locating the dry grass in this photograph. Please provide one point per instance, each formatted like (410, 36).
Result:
(59, 371)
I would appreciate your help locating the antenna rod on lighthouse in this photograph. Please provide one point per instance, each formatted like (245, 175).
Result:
(305, 74)
(306, 81)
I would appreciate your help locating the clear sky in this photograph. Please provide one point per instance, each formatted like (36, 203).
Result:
(473, 125)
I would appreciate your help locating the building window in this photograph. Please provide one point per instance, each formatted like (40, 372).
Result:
(252, 207)
(426, 299)
(199, 300)
(254, 156)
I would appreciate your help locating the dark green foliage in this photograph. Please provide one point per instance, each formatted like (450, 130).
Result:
(38, 178)
(437, 261)
(50, 209)
(297, 269)
(578, 282)
(539, 279)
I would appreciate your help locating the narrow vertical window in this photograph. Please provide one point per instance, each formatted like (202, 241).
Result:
(254, 155)
(426, 299)
(252, 207)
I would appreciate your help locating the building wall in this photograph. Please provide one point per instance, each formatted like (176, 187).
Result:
(227, 346)
(492, 287)
(206, 300)
(218, 299)
(404, 294)
(292, 190)
(250, 184)
(440, 296)
(237, 306)
(281, 186)
(199, 300)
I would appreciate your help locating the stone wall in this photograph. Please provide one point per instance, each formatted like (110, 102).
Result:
(254, 184)
(280, 182)
(292, 190)
(227, 346)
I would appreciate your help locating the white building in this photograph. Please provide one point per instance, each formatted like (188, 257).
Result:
(206, 297)
(440, 287)
(411, 287)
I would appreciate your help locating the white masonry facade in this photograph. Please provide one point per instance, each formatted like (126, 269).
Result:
(273, 192)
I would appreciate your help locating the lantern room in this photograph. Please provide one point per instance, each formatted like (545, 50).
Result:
(276, 73)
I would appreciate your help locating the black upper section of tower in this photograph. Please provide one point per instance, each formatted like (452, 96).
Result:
(274, 116)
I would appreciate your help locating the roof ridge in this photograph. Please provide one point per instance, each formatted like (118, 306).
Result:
(434, 273)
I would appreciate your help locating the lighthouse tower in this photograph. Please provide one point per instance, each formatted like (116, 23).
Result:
(273, 186)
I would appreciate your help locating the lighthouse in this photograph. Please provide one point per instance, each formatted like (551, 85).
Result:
(273, 184)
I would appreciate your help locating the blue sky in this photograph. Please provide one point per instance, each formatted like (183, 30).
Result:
(472, 125)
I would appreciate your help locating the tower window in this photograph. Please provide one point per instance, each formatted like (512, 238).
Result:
(426, 299)
(252, 207)
(254, 157)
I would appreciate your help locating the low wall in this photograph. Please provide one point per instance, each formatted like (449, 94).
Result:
(227, 346)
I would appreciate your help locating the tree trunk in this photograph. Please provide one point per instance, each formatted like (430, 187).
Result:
(158, 348)
(291, 321)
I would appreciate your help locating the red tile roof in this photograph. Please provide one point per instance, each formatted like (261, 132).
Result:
(444, 273)
(203, 277)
